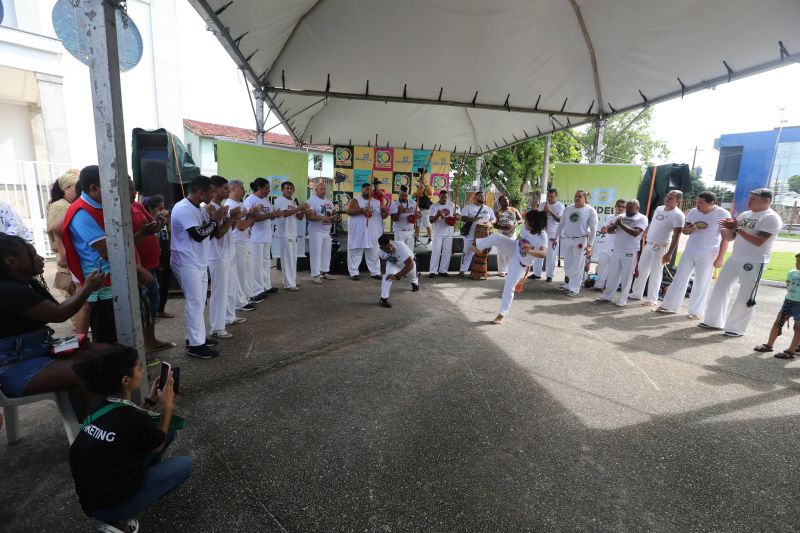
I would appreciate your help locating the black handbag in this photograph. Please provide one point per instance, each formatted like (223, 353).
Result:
(468, 225)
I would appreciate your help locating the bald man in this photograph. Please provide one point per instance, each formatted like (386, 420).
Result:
(627, 230)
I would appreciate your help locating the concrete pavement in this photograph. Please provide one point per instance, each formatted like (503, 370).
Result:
(329, 413)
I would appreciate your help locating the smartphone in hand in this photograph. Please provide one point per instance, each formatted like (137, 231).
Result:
(162, 381)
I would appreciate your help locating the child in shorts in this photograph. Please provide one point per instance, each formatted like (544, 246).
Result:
(789, 309)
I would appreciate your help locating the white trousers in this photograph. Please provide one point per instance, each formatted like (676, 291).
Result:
(651, 271)
(370, 255)
(319, 243)
(516, 271)
(467, 255)
(194, 283)
(222, 303)
(703, 267)
(552, 258)
(405, 236)
(441, 251)
(574, 252)
(392, 268)
(288, 247)
(717, 315)
(502, 261)
(244, 274)
(603, 261)
(262, 267)
(620, 272)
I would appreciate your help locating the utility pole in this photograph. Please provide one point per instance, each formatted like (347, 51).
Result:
(775, 153)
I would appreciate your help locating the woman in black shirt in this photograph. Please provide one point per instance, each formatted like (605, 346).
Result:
(26, 307)
(116, 458)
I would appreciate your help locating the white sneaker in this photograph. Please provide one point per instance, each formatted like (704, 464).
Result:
(621, 304)
(327, 276)
(317, 280)
(292, 289)
(237, 320)
(632, 296)
(221, 334)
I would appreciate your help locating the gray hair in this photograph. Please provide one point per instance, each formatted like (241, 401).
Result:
(763, 192)
(634, 201)
(234, 183)
(676, 193)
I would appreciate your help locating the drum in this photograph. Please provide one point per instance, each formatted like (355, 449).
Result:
(479, 268)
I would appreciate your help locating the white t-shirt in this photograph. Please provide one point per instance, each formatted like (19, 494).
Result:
(536, 241)
(287, 226)
(440, 227)
(624, 242)
(557, 209)
(262, 229)
(402, 223)
(486, 216)
(221, 247)
(185, 250)
(320, 207)
(578, 222)
(401, 253)
(705, 238)
(663, 223)
(238, 236)
(768, 221)
(604, 242)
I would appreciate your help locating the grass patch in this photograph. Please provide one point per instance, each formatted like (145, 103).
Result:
(779, 265)
(793, 236)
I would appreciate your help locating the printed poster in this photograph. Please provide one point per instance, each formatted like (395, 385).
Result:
(385, 179)
(275, 184)
(399, 179)
(364, 158)
(440, 163)
(421, 160)
(361, 176)
(403, 160)
(440, 182)
(383, 159)
(343, 156)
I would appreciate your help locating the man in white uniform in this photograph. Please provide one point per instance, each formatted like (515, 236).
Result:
(442, 248)
(627, 230)
(604, 246)
(397, 261)
(661, 240)
(192, 226)
(222, 304)
(363, 215)
(753, 233)
(261, 239)
(553, 209)
(287, 233)
(704, 251)
(240, 232)
(400, 211)
(478, 213)
(320, 217)
(577, 231)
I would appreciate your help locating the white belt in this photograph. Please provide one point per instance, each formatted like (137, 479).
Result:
(581, 237)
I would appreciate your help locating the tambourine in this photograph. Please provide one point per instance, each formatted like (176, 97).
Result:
(450, 221)
(412, 219)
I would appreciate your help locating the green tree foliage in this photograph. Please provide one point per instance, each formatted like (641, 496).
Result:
(794, 183)
(699, 186)
(511, 168)
(626, 141)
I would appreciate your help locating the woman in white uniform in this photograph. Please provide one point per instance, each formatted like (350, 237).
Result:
(532, 243)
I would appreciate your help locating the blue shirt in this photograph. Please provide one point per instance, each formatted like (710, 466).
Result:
(84, 232)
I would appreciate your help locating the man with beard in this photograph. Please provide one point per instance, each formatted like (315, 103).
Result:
(441, 213)
(397, 261)
(401, 210)
(364, 213)
(478, 213)
(577, 231)
(627, 230)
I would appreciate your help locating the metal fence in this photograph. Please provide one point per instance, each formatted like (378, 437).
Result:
(25, 185)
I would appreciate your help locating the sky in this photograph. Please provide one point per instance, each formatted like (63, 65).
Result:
(749, 104)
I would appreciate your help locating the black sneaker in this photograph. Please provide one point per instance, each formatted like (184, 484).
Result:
(201, 352)
(209, 342)
(246, 307)
(548, 280)
(432, 275)
(444, 275)
(385, 303)
(414, 287)
(272, 290)
(376, 277)
(355, 278)
(706, 326)
(257, 299)
(534, 276)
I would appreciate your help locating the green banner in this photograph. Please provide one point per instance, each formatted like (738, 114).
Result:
(247, 162)
(604, 183)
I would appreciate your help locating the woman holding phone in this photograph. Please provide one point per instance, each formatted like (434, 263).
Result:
(116, 459)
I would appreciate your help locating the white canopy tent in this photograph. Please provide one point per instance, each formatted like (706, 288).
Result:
(476, 76)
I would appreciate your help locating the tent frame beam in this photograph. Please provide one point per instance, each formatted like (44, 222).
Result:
(424, 101)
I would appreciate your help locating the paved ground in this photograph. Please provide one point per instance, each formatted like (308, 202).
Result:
(328, 413)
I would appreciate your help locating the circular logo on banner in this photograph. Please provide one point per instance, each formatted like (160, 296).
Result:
(401, 179)
(439, 182)
(344, 155)
(574, 217)
(747, 267)
(382, 157)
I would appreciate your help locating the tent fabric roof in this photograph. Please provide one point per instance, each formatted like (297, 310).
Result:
(475, 76)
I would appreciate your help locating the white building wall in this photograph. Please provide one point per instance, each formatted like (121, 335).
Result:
(327, 165)
(16, 140)
(207, 164)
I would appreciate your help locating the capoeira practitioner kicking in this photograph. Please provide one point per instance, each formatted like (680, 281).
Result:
(397, 261)
(604, 246)
(532, 243)
(661, 239)
(443, 217)
(704, 251)
(361, 239)
(753, 233)
(553, 209)
(627, 230)
(576, 230)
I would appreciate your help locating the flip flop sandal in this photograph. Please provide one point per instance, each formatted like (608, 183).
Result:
(164, 314)
(164, 346)
(784, 355)
(763, 348)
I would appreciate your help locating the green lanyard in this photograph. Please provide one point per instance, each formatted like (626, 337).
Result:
(175, 422)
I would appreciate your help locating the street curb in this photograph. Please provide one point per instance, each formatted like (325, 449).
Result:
(770, 283)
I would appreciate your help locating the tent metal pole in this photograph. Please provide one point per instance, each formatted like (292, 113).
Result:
(597, 151)
(258, 94)
(545, 167)
(110, 137)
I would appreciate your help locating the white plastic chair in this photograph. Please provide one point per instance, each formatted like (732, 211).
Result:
(61, 398)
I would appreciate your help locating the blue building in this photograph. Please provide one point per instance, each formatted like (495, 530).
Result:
(746, 161)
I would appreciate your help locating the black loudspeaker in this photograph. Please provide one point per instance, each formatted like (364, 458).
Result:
(153, 159)
(680, 178)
